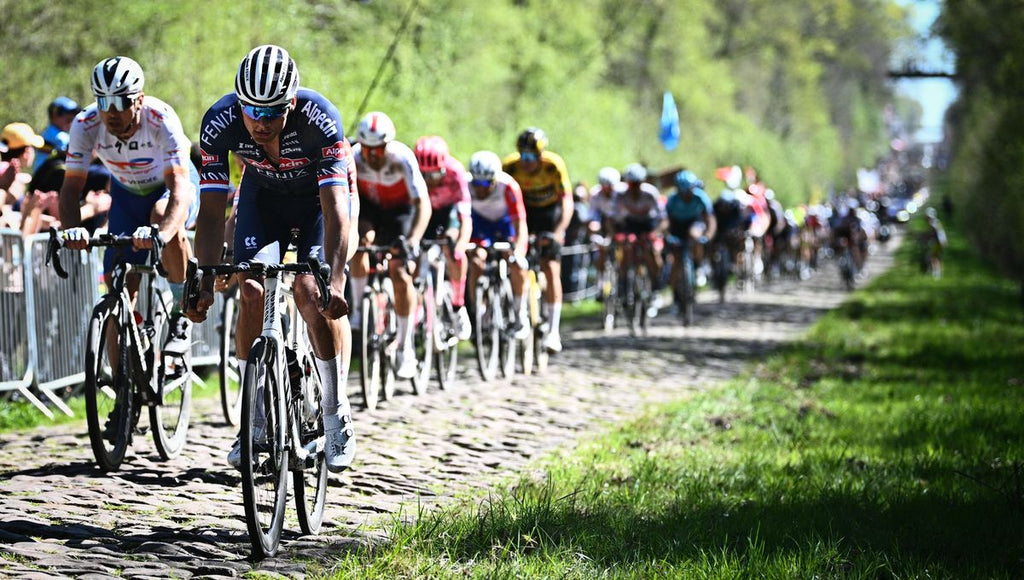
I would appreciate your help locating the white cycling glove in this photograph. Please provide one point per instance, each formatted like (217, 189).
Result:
(144, 233)
(76, 235)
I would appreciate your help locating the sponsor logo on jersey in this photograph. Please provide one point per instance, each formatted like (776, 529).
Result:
(215, 126)
(320, 118)
(288, 164)
(339, 150)
(137, 163)
(75, 155)
(207, 158)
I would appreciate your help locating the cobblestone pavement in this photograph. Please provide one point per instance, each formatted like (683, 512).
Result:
(61, 516)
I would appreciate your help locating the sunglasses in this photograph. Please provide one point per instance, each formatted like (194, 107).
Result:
(528, 156)
(269, 113)
(482, 183)
(118, 102)
(433, 175)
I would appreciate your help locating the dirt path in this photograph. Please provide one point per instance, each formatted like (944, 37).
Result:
(59, 515)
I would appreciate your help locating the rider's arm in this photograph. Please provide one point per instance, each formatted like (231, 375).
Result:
(420, 199)
(341, 211)
(182, 193)
(69, 199)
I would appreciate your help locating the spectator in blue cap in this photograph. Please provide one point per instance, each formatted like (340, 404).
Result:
(62, 113)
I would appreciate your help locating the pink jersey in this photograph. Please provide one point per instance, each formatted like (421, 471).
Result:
(504, 200)
(452, 190)
(398, 184)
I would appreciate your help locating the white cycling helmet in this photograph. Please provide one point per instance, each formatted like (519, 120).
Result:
(484, 165)
(117, 76)
(375, 130)
(267, 77)
(634, 173)
(608, 176)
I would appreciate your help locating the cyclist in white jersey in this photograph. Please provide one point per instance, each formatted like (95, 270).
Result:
(153, 182)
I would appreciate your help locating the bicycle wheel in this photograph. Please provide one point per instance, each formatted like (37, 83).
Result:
(685, 291)
(423, 336)
(310, 478)
(372, 334)
(486, 331)
(108, 392)
(502, 295)
(609, 295)
(389, 346)
(540, 328)
(230, 382)
(169, 414)
(720, 272)
(446, 341)
(526, 350)
(643, 297)
(264, 455)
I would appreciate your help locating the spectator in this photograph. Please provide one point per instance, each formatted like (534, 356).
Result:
(19, 143)
(47, 181)
(55, 136)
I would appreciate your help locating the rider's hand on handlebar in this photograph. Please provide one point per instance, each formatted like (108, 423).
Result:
(142, 239)
(76, 238)
(203, 304)
(338, 306)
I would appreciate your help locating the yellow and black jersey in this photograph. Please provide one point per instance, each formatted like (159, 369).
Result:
(545, 187)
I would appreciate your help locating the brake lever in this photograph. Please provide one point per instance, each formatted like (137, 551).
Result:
(53, 253)
(322, 275)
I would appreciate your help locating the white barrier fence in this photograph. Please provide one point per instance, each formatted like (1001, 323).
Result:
(43, 319)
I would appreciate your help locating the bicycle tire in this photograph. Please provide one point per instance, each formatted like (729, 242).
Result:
(423, 337)
(372, 354)
(108, 393)
(389, 346)
(506, 342)
(541, 356)
(264, 464)
(446, 350)
(643, 299)
(169, 415)
(610, 295)
(310, 480)
(720, 272)
(486, 331)
(230, 381)
(686, 289)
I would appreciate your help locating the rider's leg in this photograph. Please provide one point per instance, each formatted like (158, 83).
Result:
(552, 268)
(519, 293)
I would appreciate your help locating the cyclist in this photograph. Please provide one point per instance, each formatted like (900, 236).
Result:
(690, 216)
(141, 142)
(602, 205)
(547, 197)
(935, 242)
(499, 216)
(298, 177)
(640, 211)
(845, 225)
(396, 210)
(450, 207)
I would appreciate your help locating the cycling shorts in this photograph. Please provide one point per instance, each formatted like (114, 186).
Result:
(442, 219)
(266, 216)
(681, 229)
(543, 219)
(486, 232)
(129, 210)
(387, 224)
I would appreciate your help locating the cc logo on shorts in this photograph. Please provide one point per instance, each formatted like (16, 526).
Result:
(250, 242)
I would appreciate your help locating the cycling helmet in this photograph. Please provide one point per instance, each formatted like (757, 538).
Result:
(375, 130)
(267, 77)
(634, 173)
(686, 180)
(117, 76)
(532, 139)
(608, 176)
(484, 165)
(431, 153)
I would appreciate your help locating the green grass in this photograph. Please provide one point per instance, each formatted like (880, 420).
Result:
(889, 443)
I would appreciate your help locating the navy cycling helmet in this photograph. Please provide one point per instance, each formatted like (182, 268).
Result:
(687, 180)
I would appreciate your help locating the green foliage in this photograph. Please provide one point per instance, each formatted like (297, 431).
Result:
(789, 86)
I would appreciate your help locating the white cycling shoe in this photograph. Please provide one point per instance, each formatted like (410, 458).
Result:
(407, 364)
(552, 343)
(339, 442)
(465, 326)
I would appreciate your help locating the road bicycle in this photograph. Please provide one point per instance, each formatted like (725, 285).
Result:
(684, 291)
(282, 427)
(635, 291)
(378, 330)
(494, 313)
(847, 265)
(532, 352)
(721, 264)
(446, 318)
(127, 367)
(607, 280)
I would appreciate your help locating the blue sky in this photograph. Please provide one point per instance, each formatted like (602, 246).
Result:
(935, 95)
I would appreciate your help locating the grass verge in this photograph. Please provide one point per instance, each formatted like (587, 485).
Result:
(888, 443)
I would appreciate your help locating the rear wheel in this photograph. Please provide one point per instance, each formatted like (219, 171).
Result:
(264, 456)
(108, 391)
(609, 295)
(230, 381)
(446, 343)
(423, 337)
(311, 480)
(502, 295)
(486, 331)
(169, 414)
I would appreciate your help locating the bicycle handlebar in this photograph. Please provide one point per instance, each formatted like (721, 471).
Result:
(194, 274)
(57, 241)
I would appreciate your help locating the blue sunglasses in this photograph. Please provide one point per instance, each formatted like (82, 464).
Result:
(528, 156)
(270, 113)
(484, 183)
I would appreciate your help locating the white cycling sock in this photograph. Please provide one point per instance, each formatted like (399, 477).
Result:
(405, 331)
(554, 314)
(358, 285)
(334, 381)
(524, 312)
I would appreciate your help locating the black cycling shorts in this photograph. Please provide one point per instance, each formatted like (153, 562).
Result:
(388, 224)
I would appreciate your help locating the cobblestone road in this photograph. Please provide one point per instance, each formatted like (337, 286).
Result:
(61, 516)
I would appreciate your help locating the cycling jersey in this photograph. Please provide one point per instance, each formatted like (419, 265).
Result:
(397, 184)
(453, 190)
(602, 205)
(313, 149)
(682, 210)
(158, 147)
(645, 206)
(544, 187)
(495, 216)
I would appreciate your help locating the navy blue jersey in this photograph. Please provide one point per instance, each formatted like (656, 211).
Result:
(313, 149)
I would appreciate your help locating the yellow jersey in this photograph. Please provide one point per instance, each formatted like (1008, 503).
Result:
(546, 186)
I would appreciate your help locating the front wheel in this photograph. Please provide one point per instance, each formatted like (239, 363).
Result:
(423, 337)
(264, 455)
(108, 390)
(446, 341)
(372, 334)
(230, 381)
(486, 331)
(310, 479)
(169, 414)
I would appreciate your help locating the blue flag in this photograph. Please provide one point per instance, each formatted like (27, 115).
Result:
(669, 133)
